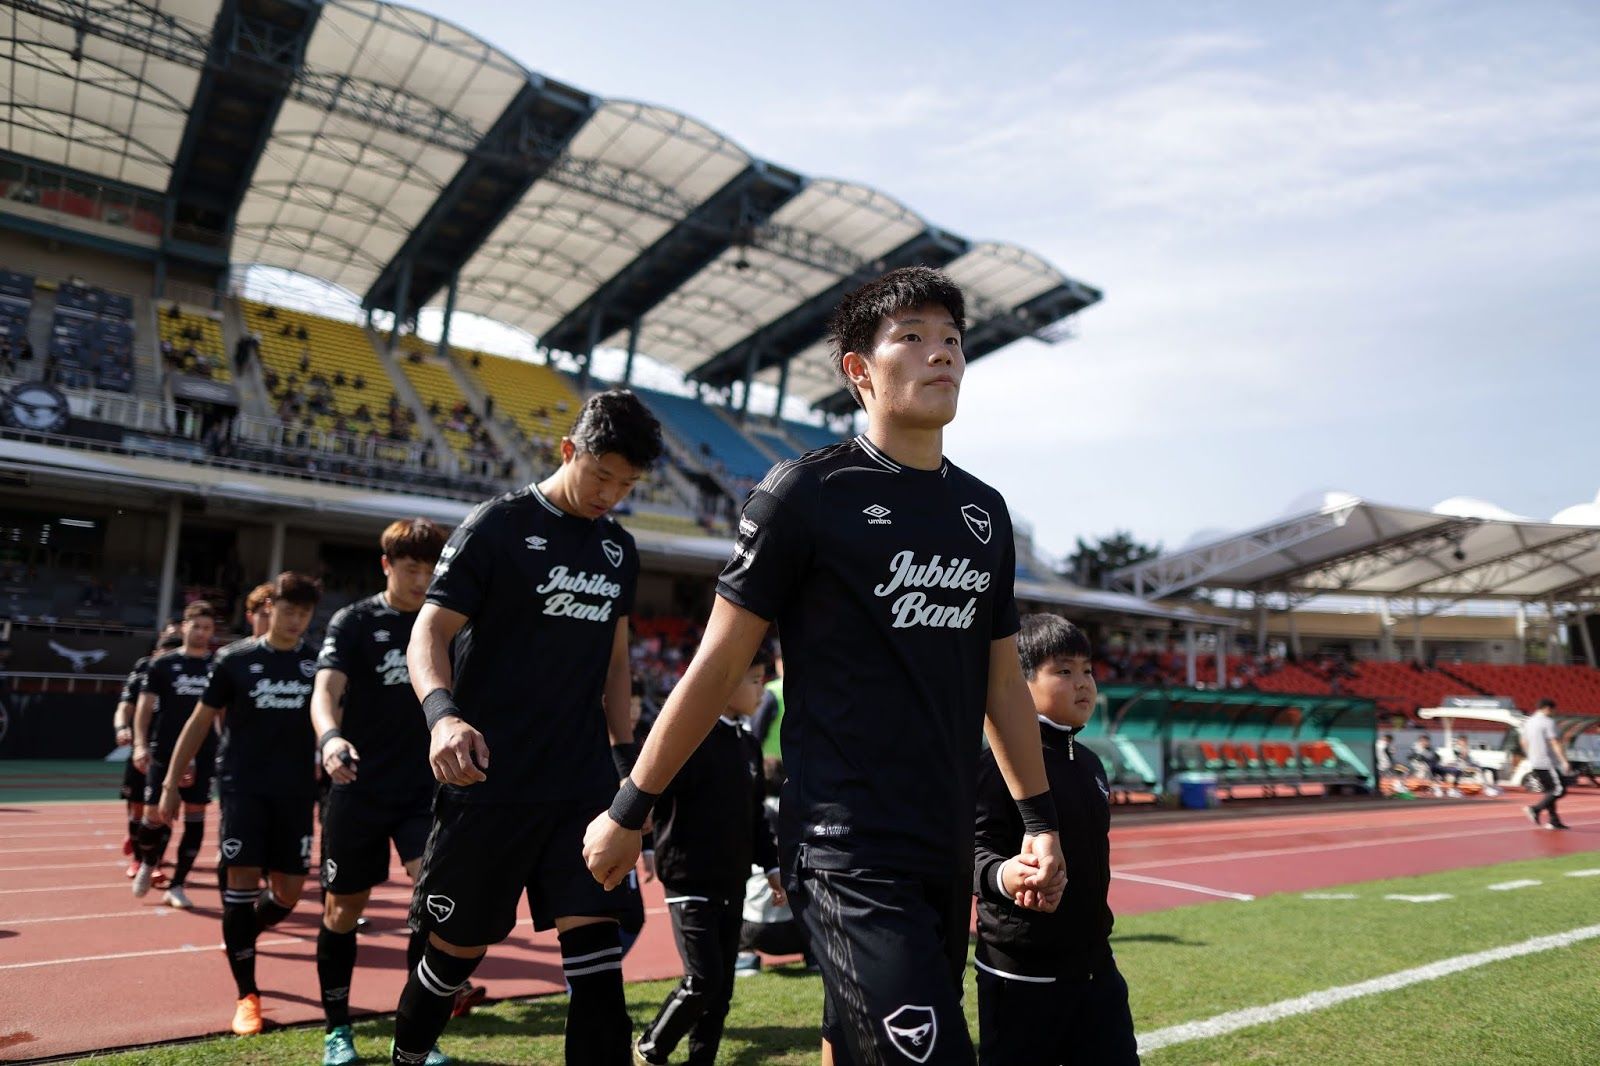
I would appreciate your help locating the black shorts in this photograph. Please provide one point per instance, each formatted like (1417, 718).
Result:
(132, 784)
(271, 832)
(356, 831)
(892, 948)
(1084, 1021)
(198, 792)
(482, 857)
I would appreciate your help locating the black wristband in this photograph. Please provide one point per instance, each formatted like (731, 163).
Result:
(632, 806)
(322, 741)
(623, 756)
(438, 705)
(1039, 814)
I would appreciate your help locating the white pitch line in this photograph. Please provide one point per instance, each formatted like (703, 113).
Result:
(1329, 997)
(1431, 897)
(1182, 885)
(1583, 873)
(1329, 895)
(187, 949)
(1508, 886)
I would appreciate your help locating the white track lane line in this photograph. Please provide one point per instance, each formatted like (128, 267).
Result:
(1181, 885)
(103, 864)
(43, 851)
(187, 949)
(1453, 816)
(1328, 997)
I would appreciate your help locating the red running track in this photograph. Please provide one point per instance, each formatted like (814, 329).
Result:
(83, 965)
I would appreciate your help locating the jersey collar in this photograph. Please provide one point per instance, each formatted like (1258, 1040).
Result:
(876, 455)
(544, 501)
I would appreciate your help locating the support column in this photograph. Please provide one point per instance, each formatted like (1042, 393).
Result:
(1261, 622)
(783, 390)
(169, 562)
(1588, 641)
(449, 317)
(1522, 634)
(280, 529)
(587, 368)
(633, 350)
(1222, 658)
(1416, 629)
(1387, 647)
(1294, 631)
(1191, 675)
(749, 380)
(1554, 652)
(401, 292)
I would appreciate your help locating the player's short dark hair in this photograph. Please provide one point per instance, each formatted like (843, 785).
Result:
(413, 538)
(199, 609)
(1049, 636)
(764, 659)
(302, 590)
(169, 641)
(1545, 702)
(854, 324)
(618, 422)
(259, 597)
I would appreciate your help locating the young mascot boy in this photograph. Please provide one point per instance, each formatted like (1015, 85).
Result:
(1048, 988)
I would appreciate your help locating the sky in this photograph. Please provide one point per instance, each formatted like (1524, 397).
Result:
(1343, 246)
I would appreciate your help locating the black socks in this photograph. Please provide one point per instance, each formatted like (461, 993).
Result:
(336, 964)
(269, 912)
(598, 1028)
(426, 1001)
(194, 831)
(239, 932)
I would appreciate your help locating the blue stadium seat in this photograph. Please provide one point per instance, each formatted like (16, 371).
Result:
(775, 443)
(705, 432)
(811, 437)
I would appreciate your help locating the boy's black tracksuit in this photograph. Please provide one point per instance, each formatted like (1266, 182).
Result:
(1048, 987)
(709, 828)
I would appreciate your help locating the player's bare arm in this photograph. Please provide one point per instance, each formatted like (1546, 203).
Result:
(732, 636)
(327, 712)
(619, 688)
(183, 753)
(143, 712)
(457, 752)
(1013, 735)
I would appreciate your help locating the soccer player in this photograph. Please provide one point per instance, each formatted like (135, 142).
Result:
(534, 590)
(262, 689)
(374, 748)
(1048, 987)
(133, 781)
(1545, 754)
(710, 824)
(889, 572)
(258, 609)
(172, 684)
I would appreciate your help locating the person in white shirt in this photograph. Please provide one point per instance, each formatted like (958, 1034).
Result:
(1545, 756)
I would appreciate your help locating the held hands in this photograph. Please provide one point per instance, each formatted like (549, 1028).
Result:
(124, 735)
(339, 759)
(141, 759)
(647, 860)
(1037, 878)
(457, 753)
(609, 850)
(167, 812)
(188, 776)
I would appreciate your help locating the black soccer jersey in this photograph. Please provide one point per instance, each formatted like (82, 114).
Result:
(134, 685)
(366, 642)
(177, 681)
(542, 591)
(888, 585)
(268, 747)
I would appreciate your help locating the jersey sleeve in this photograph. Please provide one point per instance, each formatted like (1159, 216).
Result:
(630, 579)
(158, 680)
(465, 571)
(339, 645)
(220, 686)
(771, 554)
(997, 833)
(1004, 620)
(133, 685)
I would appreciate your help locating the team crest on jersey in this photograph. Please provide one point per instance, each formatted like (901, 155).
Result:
(613, 552)
(913, 1031)
(308, 667)
(441, 907)
(381, 636)
(330, 870)
(230, 848)
(978, 521)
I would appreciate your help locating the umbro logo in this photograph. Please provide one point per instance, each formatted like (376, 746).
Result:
(441, 907)
(877, 515)
(978, 521)
(536, 543)
(255, 668)
(748, 528)
(381, 636)
(613, 552)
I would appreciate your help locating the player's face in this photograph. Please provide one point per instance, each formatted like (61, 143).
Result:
(913, 377)
(289, 622)
(259, 620)
(1064, 690)
(197, 633)
(406, 582)
(747, 697)
(597, 483)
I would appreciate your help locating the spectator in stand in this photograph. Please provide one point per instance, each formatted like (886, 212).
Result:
(359, 383)
(27, 351)
(302, 334)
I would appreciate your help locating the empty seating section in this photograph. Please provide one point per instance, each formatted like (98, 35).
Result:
(774, 442)
(91, 338)
(715, 443)
(192, 343)
(16, 304)
(809, 437)
(1576, 689)
(659, 522)
(322, 362)
(441, 397)
(535, 397)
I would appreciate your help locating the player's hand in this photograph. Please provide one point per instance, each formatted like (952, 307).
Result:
(141, 759)
(188, 776)
(458, 753)
(609, 850)
(167, 810)
(1045, 884)
(647, 860)
(339, 759)
(780, 898)
(124, 735)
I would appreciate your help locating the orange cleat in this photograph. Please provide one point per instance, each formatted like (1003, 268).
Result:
(133, 868)
(247, 1015)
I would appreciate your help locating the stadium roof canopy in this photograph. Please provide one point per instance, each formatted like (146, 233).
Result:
(403, 158)
(1357, 547)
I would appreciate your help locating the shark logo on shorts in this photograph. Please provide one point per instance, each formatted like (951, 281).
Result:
(330, 870)
(913, 1031)
(441, 907)
(230, 848)
(613, 551)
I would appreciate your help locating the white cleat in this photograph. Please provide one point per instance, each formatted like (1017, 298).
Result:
(177, 898)
(142, 879)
